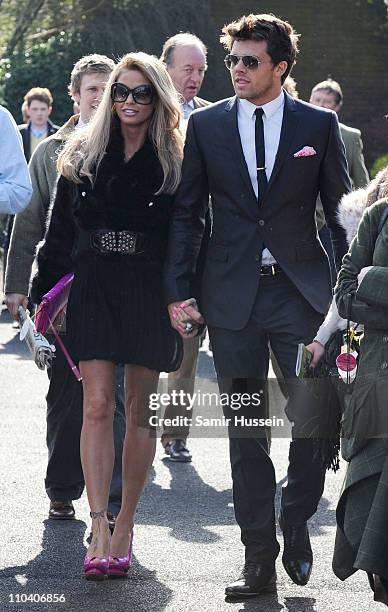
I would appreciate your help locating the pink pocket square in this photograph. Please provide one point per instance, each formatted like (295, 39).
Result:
(305, 152)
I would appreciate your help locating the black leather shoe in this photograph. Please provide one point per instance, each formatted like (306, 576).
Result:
(61, 510)
(297, 555)
(256, 578)
(178, 451)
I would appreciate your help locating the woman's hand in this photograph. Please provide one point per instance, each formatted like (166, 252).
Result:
(317, 350)
(182, 313)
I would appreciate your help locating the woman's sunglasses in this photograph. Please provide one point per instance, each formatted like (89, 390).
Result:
(142, 94)
(250, 61)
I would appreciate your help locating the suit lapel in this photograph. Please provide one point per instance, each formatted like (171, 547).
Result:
(232, 130)
(291, 118)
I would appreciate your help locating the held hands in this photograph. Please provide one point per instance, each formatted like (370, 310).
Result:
(183, 315)
(317, 351)
(13, 301)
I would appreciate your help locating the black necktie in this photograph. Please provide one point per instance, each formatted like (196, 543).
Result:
(260, 154)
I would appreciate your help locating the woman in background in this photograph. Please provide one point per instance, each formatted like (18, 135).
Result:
(362, 295)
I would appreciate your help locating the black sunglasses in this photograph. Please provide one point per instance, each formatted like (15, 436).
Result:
(142, 94)
(250, 61)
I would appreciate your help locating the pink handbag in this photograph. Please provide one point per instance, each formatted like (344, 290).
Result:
(52, 303)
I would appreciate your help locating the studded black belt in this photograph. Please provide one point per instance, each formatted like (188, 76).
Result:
(122, 242)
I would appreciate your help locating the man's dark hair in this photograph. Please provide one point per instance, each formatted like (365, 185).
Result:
(280, 36)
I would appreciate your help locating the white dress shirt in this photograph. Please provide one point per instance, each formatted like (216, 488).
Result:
(272, 122)
(187, 108)
(15, 183)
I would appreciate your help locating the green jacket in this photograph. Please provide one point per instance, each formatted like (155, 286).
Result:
(30, 225)
(356, 165)
(367, 414)
(354, 155)
(362, 520)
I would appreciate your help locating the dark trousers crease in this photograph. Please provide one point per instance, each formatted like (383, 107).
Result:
(283, 318)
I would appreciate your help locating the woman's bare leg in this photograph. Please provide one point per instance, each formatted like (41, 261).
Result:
(138, 450)
(97, 449)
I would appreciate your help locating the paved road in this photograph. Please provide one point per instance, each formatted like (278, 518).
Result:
(186, 541)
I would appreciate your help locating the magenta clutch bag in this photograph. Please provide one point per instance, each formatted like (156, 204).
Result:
(53, 302)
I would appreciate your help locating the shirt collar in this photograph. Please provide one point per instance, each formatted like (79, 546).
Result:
(39, 133)
(269, 109)
(191, 103)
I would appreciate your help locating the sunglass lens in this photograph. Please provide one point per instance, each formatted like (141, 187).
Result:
(142, 94)
(119, 92)
(230, 60)
(250, 62)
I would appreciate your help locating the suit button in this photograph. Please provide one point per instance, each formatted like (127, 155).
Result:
(261, 222)
(257, 257)
(242, 196)
(384, 365)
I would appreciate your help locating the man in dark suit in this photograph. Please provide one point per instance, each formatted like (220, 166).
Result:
(263, 157)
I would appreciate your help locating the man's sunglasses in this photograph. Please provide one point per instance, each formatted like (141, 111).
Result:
(250, 61)
(142, 94)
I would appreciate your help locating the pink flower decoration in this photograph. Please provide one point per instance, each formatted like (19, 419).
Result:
(305, 152)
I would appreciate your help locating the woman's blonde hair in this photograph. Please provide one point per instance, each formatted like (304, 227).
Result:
(84, 150)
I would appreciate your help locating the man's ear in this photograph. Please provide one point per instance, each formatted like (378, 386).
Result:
(281, 68)
(50, 109)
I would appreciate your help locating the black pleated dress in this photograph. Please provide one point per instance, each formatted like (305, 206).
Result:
(115, 310)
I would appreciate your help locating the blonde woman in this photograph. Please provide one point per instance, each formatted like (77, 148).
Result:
(109, 225)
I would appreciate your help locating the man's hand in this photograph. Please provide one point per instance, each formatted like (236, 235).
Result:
(13, 301)
(185, 312)
(317, 350)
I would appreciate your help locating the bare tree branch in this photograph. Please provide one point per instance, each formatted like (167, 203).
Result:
(26, 19)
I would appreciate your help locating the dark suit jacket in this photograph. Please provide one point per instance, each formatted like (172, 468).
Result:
(214, 163)
(24, 130)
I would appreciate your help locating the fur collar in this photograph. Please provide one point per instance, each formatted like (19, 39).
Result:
(144, 167)
(352, 205)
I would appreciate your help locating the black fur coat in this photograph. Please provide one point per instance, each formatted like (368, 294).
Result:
(122, 198)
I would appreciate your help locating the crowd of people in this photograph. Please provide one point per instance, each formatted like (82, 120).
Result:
(178, 215)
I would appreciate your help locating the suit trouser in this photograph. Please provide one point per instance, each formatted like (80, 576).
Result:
(64, 477)
(182, 380)
(325, 237)
(283, 317)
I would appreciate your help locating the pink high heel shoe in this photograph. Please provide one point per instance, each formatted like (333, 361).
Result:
(96, 568)
(119, 566)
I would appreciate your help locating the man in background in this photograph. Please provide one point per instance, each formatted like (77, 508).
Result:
(328, 94)
(64, 478)
(185, 58)
(39, 103)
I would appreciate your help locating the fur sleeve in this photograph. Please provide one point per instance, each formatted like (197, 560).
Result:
(54, 257)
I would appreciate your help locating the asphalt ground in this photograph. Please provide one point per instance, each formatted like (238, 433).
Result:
(186, 544)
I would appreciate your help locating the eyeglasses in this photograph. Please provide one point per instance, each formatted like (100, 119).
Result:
(142, 94)
(250, 61)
